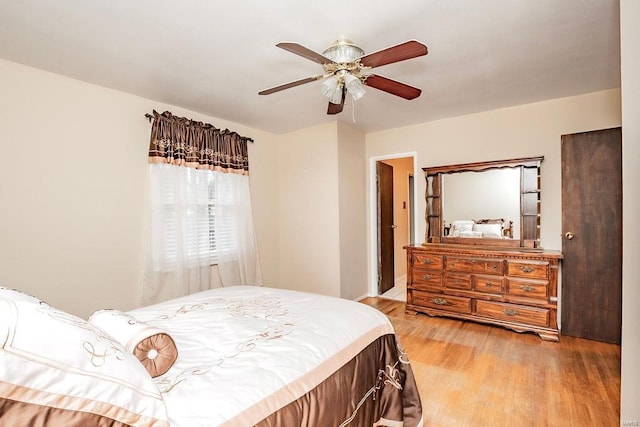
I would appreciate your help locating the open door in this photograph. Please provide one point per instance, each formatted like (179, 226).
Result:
(384, 194)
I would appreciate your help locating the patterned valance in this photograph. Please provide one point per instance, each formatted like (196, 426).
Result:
(185, 142)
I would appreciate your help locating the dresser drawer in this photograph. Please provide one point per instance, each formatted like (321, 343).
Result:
(426, 279)
(457, 281)
(513, 313)
(442, 302)
(488, 284)
(474, 265)
(538, 270)
(424, 260)
(538, 289)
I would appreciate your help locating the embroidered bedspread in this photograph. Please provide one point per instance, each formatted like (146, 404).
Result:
(260, 356)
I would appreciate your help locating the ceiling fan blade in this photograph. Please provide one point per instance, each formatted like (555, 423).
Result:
(298, 49)
(337, 108)
(392, 86)
(407, 50)
(290, 85)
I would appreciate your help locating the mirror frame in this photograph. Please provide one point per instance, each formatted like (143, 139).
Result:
(529, 202)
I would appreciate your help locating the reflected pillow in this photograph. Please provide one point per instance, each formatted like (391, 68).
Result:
(461, 225)
(489, 230)
(155, 349)
(57, 369)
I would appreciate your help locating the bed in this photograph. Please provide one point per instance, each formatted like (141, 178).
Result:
(235, 356)
(481, 228)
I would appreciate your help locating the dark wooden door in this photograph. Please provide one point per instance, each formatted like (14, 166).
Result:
(592, 235)
(384, 186)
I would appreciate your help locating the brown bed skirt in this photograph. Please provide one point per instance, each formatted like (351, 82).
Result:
(375, 388)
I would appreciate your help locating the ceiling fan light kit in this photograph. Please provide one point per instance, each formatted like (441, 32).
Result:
(347, 69)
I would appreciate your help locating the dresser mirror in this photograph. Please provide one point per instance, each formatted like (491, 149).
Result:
(495, 203)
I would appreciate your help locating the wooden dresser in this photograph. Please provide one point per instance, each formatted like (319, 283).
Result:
(513, 288)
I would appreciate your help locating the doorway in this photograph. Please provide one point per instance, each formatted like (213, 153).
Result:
(394, 221)
(592, 235)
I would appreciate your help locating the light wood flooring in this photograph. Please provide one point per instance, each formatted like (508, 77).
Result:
(470, 374)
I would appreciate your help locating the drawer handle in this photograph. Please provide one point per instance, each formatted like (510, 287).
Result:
(509, 312)
(440, 301)
(527, 288)
(426, 276)
(426, 261)
(495, 267)
(526, 269)
(488, 285)
(473, 261)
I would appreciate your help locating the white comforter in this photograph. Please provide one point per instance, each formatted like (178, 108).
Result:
(239, 345)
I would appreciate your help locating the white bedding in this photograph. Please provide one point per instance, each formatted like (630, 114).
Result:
(260, 355)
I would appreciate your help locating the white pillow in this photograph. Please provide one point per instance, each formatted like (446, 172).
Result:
(489, 230)
(57, 369)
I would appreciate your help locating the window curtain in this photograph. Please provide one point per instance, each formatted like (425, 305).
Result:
(200, 209)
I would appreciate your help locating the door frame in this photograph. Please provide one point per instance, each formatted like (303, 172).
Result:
(373, 212)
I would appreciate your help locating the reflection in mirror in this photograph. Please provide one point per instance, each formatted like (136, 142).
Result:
(489, 194)
(452, 213)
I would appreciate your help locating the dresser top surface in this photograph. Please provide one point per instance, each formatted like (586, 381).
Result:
(475, 250)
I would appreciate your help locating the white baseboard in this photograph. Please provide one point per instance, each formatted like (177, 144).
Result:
(399, 281)
(360, 298)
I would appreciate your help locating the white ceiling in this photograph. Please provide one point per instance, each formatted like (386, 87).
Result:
(215, 56)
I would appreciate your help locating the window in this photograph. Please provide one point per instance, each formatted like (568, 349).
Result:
(197, 216)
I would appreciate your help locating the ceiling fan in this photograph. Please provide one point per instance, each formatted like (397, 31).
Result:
(348, 69)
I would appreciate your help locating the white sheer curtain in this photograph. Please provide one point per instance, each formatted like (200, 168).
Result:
(198, 218)
(236, 250)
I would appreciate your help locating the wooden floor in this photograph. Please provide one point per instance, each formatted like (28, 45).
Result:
(471, 374)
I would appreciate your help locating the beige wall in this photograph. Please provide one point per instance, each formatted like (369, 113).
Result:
(322, 211)
(74, 184)
(402, 167)
(630, 45)
(308, 210)
(353, 212)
